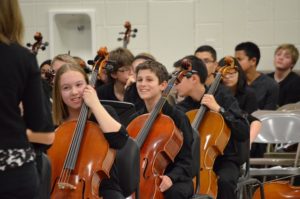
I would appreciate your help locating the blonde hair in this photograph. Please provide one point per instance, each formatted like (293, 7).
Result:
(59, 108)
(11, 23)
(64, 58)
(291, 49)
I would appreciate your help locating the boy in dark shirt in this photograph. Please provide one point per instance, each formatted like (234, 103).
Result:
(285, 58)
(192, 86)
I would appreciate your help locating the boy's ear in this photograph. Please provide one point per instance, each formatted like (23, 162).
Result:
(164, 85)
(195, 78)
(253, 61)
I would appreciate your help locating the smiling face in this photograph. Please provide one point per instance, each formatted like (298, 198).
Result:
(72, 84)
(148, 86)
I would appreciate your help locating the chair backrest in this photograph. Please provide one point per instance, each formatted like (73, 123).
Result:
(128, 167)
(123, 109)
(290, 107)
(278, 127)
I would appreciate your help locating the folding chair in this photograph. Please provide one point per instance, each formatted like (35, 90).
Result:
(277, 127)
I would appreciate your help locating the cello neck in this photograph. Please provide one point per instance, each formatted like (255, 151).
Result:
(200, 113)
(156, 111)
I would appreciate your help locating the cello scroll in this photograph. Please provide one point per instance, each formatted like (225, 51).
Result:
(39, 44)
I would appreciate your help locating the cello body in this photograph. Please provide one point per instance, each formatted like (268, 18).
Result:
(160, 148)
(214, 136)
(279, 190)
(92, 165)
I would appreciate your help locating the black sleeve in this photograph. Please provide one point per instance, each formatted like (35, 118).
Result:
(118, 139)
(233, 115)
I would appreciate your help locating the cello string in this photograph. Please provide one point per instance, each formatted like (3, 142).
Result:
(65, 173)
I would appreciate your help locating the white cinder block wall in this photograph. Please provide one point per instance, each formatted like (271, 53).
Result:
(171, 29)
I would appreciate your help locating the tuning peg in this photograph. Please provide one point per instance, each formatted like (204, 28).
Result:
(134, 35)
(120, 39)
(135, 30)
(28, 44)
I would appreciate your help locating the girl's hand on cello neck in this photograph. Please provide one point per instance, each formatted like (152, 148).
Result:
(90, 97)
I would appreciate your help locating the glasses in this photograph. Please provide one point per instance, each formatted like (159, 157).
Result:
(207, 61)
(124, 69)
(185, 73)
(230, 74)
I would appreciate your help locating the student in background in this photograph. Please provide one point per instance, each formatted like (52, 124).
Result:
(118, 72)
(285, 58)
(265, 88)
(20, 82)
(209, 56)
(234, 78)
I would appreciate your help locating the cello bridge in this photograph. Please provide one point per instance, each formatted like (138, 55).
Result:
(64, 185)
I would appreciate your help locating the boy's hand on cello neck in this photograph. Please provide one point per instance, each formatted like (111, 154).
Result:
(211, 103)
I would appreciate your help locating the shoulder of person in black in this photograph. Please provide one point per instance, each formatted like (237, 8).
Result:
(247, 100)
(116, 140)
(106, 92)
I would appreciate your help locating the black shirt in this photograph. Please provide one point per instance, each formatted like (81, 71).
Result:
(289, 89)
(20, 81)
(267, 91)
(106, 92)
(118, 139)
(233, 117)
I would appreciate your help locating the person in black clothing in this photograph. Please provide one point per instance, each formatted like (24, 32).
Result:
(234, 78)
(192, 86)
(285, 58)
(70, 91)
(151, 80)
(20, 84)
(118, 72)
(265, 88)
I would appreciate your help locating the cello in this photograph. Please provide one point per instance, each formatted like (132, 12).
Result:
(157, 147)
(80, 154)
(213, 140)
(39, 44)
(129, 32)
